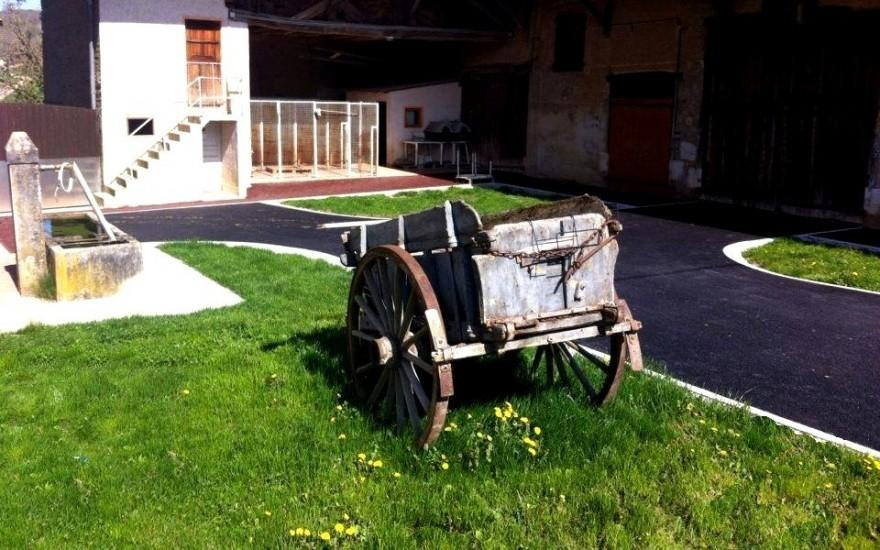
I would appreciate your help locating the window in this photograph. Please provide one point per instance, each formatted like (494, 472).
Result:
(140, 126)
(568, 49)
(412, 117)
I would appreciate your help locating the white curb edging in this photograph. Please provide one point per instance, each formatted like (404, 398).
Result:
(797, 427)
(734, 252)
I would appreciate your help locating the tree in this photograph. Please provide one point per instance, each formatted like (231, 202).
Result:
(21, 55)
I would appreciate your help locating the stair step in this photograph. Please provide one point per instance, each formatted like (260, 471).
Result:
(183, 127)
(122, 181)
(143, 163)
(103, 199)
(194, 119)
(174, 136)
(152, 154)
(113, 188)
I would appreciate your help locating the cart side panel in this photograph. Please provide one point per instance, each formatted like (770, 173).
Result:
(510, 289)
(446, 226)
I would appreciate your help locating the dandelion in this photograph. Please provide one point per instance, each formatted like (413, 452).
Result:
(537, 430)
(828, 485)
(299, 532)
(339, 528)
(351, 531)
(332, 419)
(342, 436)
(508, 414)
(307, 533)
(325, 536)
(338, 407)
(396, 474)
(378, 464)
(470, 416)
(345, 517)
(370, 463)
(185, 392)
(690, 406)
(445, 466)
(561, 497)
(268, 513)
(524, 419)
(532, 451)
(498, 413)
(362, 456)
(488, 437)
(479, 435)
(453, 425)
(722, 452)
(530, 442)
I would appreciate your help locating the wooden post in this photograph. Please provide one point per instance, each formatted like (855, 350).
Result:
(23, 159)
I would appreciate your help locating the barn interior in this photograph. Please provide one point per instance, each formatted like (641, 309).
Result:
(327, 50)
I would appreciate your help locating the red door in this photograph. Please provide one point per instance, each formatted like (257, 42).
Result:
(639, 139)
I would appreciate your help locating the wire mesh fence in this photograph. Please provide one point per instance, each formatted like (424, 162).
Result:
(308, 138)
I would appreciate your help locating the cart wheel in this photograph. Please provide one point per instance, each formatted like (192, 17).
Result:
(581, 368)
(394, 326)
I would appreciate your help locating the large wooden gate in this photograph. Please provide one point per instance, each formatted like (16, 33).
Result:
(790, 106)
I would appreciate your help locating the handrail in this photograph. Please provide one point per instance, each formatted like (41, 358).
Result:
(90, 197)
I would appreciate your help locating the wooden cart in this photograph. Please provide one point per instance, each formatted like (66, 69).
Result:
(441, 285)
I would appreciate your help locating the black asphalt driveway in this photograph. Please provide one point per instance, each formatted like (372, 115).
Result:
(806, 352)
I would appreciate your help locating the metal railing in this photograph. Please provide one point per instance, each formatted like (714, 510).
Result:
(206, 86)
(90, 197)
(309, 136)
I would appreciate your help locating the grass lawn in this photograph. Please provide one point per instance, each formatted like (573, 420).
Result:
(234, 427)
(484, 199)
(817, 262)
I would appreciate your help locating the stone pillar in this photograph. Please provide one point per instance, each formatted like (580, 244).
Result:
(872, 189)
(23, 159)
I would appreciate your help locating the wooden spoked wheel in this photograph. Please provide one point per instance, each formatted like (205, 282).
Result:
(581, 369)
(394, 326)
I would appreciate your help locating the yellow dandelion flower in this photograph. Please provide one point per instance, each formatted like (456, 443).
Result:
(325, 536)
(378, 464)
(339, 528)
(488, 437)
(342, 436)
(332, 419)
(507, 414)
(714, 429)
(345, 517)
(362, 456)
(351, 531)
(362, 479)
(498, 413)
(307, 533)
(338, 407)
(530, 442)
(291, 532)
(532, 451)
(185, 392)
(370, 463)
(470, 416)
(722, 452)
(537, 430)
(268, 513)
(396, 474)
(524, 419)
(445, 465)
(447, 429)
(828, 485)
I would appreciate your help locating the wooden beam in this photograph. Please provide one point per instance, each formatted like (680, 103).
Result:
(367, 31)
(317, 9)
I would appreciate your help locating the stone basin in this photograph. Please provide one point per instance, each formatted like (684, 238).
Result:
(84, 262)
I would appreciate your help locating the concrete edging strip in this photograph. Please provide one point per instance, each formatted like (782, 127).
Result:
(734, 252)
(797, 427)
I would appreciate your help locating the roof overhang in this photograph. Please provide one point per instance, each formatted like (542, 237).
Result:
(361, 31)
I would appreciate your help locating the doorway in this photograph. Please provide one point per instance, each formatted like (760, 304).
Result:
(203, 76)
(640, 129)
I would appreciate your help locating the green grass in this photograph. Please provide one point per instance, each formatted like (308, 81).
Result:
(816, 262)
(484, 199)
(223, 428)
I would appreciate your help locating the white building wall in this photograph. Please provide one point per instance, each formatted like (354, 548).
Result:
(143, 75)
(438, 102)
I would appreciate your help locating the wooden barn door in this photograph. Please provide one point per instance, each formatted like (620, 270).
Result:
(204, 81)
(494, 104)
(640, 129)
(790, 105)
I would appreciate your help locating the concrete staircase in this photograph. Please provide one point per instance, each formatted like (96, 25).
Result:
(135, 185)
